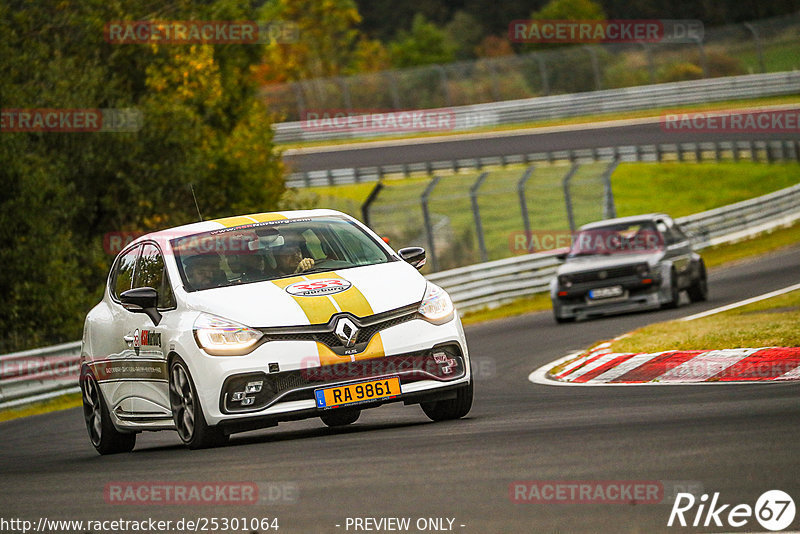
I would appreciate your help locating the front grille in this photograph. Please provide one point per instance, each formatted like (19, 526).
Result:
(610, 273)
(323, 333)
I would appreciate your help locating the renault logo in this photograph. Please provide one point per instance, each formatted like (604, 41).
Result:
(347, 331)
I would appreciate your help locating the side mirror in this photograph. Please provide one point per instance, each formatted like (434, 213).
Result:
(142, 300)
(413, 255)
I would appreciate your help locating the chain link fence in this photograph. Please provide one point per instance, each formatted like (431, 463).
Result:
(473, 217)
(768, 45)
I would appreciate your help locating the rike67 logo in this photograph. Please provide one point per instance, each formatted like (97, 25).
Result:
(774, 510)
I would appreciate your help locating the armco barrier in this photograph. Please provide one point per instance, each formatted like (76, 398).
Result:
(42, 373)
(579, 104)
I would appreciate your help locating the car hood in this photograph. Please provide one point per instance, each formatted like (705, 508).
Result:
(590, 263)
(372, 289)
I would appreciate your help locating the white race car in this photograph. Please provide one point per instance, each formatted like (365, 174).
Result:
(235, 324)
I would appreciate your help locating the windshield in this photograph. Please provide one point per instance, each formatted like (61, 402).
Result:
(637, 237)
(272, 250)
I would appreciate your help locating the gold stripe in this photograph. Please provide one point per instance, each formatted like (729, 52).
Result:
(351, 300)
(374, 350)
(229, 222)
(268, 217)
(317, 309)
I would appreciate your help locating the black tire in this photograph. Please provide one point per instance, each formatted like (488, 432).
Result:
(675, 292)
(698, 291)
(340, 417)
(450, 409)
(187, 412)
(105, 438)
(557, 315)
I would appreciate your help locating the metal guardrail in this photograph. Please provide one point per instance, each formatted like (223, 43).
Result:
(713, 151)
(48, 372)
(575, 105)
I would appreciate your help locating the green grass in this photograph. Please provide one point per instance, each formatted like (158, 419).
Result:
(784, 57)
(64, 402)
(769, 323)
(681, 189)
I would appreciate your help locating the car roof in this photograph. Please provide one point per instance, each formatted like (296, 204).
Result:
(236, 220)
(647, 217)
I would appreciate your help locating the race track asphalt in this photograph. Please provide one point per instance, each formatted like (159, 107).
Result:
(496, 145)
(738, 440)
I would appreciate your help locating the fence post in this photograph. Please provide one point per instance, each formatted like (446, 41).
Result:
(543, 74)
(392, 77)
(373, 195)
(568, 197)
(301, 101)
(523, 203)
(609, 209)
(473, 197)
(426, 219)
(703, 59)
(342, 82)
(595, 67)
(445, 88)
(759, 48)
(651, 69)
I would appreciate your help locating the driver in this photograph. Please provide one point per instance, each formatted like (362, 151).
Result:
(289, 258)
(203, 271)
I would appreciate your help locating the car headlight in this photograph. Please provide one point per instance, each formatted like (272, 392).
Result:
(565, 280)
(643, 270)
(436, 306)
(221, 337)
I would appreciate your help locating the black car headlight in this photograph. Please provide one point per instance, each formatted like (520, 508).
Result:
(565, 280)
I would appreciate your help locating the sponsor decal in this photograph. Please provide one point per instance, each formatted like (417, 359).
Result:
(146, 338)
(126, 369)
(316, 288)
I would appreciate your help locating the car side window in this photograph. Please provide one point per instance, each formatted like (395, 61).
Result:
(669, 237)
(150, 273)
(679, 235)
(122, 279)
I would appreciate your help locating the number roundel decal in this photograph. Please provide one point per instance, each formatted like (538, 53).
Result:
(315, 288)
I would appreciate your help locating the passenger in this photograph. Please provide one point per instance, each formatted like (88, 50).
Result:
(203, 271)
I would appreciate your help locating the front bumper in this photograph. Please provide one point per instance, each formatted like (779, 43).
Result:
(292, 370)
(637, 296)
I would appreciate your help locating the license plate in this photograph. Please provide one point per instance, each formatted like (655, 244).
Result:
(357, 393)
(605, 292)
